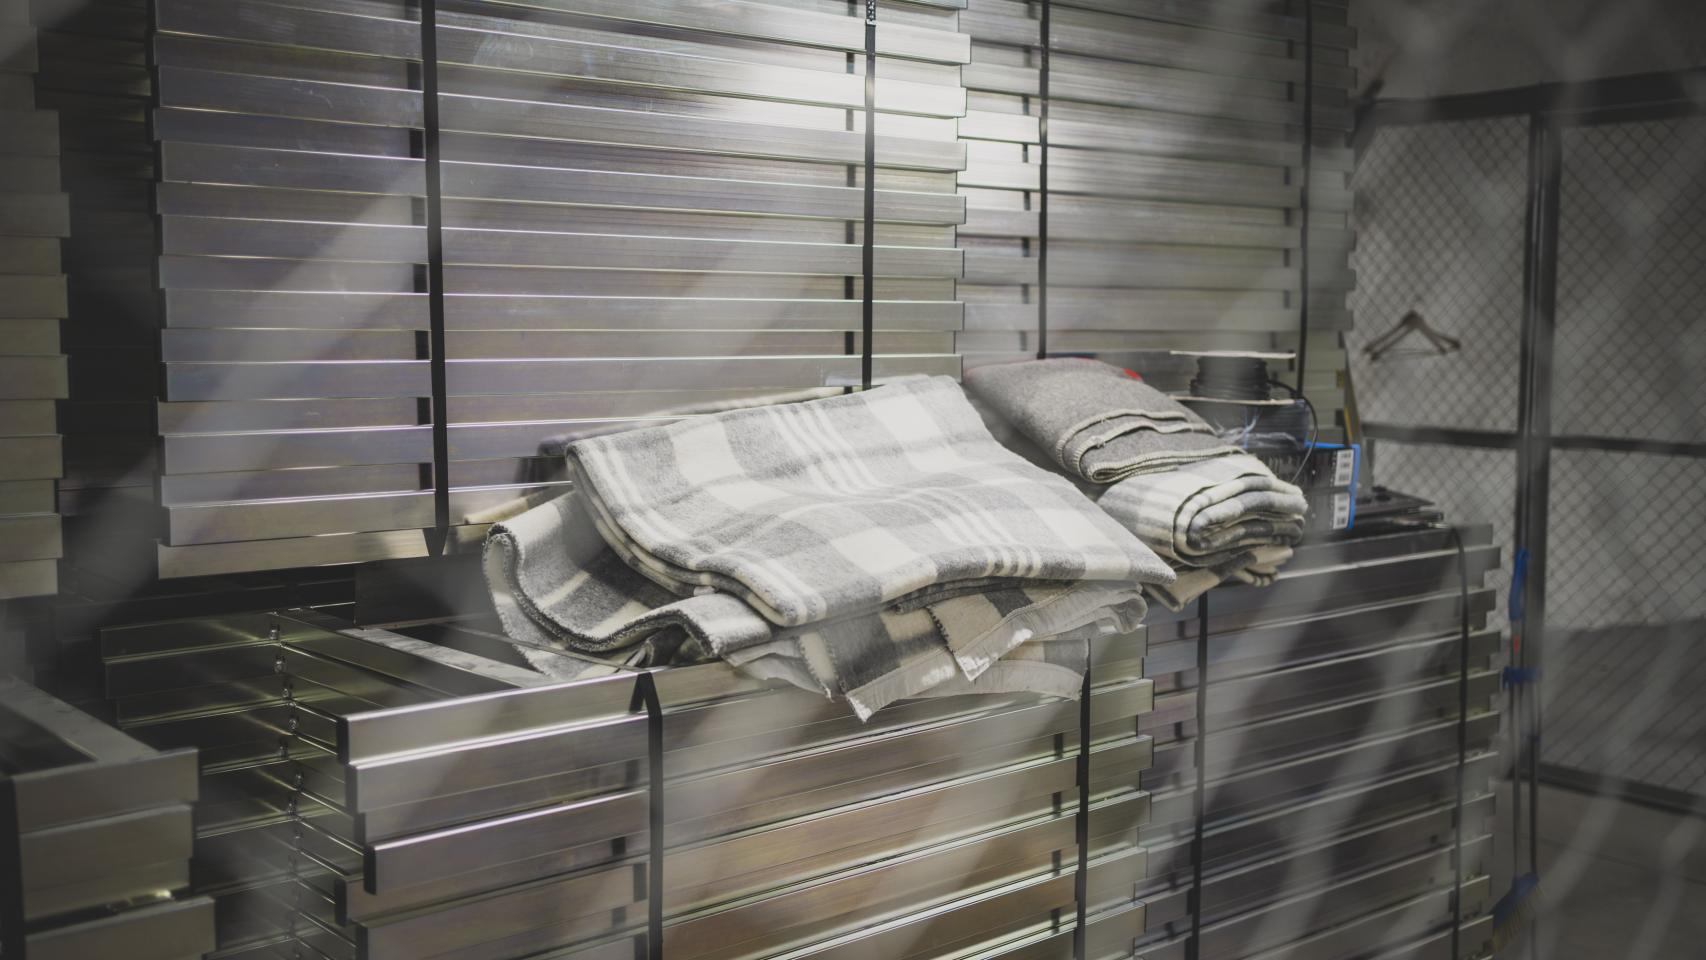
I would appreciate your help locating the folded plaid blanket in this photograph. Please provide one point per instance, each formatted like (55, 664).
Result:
(841, 507)
(876, 660)
(1205, 513)
(1256, 567)
(1093, 420)
(557, 585)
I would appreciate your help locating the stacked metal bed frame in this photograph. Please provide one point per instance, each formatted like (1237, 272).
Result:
(95, 834)
(33, 218)
(1330, 769)
(413, 791)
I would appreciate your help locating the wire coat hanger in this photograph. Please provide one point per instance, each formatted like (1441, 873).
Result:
(1411, 322)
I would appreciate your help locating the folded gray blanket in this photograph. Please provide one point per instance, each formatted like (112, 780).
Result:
(1093, 420)
(841, 507)
(1205, 513)
(1257, 567)
(558, 586)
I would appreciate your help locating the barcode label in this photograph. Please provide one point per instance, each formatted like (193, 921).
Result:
(1341, 511)
(1344, 467)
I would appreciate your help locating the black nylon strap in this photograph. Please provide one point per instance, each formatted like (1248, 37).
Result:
(11, 874)
(1081, 879)
(440, 532)
(1193, 946)
(1303, 196)
(870, 257)
(1042, 189)
(1462, 745)
(646, 696)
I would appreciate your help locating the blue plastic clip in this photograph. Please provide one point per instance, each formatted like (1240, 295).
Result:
(1519, 579)
(1517, 676)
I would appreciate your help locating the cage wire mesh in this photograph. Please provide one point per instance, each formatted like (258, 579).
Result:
(1626, 638)
(1632, 241)
(1626, 613)
(1469, 485)
(1439, 218)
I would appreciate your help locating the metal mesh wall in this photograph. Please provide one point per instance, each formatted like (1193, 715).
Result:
(1469, 485)
(1439, 221)
(1627, 638)
(1632, 238)
(1626, 641)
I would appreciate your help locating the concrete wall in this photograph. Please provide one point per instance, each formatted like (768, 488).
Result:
(1433, 47)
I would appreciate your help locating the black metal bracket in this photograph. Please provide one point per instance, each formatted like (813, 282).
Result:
(646, 698)
(1462, 745)
(1199, 796)
(439, 535)
(1042, 182)
(869, 252)
(11, 874)
(1081, 824)
(1308, 139)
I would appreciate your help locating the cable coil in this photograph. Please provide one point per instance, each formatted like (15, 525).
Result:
(1243, 378)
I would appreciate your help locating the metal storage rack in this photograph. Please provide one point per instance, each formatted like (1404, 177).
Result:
(98, 828)
(1331, 760)
(33, 218)
(412, 790)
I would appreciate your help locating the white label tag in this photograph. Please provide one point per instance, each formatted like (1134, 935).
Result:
(1341, 511)
(1344, 467)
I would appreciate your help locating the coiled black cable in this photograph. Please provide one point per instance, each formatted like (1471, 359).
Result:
(1232, 378)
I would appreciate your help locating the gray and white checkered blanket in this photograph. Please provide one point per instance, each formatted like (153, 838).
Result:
(1202, 514)
(1211, 511)
(1257, 567)
(878, 545)
(838, 507)
(558, 586)
(1093, 420)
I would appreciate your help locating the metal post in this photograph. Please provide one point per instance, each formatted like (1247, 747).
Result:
(1193, 946)
(1534, 444)
(868, 305)
(1042, 188)
(439, 536)
(1303, 192)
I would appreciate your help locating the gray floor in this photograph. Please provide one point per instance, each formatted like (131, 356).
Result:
(1616, 881)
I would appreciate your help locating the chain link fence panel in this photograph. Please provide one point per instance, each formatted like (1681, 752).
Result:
(1632, 281)
(1469, 485)
(1626, 618)
(1440, 221)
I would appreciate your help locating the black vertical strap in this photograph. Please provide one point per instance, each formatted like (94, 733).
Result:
(1081, 879)
(11, 874)
(1534, 448)
(646, 695)
(1303, 195)
(1462, 745)
(870, 251)
(1193, 946)
(1042, 190)
(440, 533)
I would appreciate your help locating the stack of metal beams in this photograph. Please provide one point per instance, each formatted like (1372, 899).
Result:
(1175, 177)
(416, 792)
(1331, 758)
(644, 205)
(99, 834)
(33, 219)
(94, 77)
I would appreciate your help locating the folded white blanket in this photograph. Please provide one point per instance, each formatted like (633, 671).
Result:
(1202, 514)
(841, 507)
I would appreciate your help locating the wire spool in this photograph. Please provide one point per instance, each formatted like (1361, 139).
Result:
(1236, 377)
